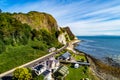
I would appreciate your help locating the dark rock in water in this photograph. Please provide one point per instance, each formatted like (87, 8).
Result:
(111, 62)
(82, 40)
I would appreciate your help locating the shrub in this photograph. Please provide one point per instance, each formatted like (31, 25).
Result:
(22, 74)
(39, 45)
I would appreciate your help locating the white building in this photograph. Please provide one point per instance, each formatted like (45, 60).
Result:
(47, 75)
(52, 64)
(39, 69)
(51, 49)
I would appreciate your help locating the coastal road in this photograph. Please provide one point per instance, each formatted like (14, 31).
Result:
(32, 63)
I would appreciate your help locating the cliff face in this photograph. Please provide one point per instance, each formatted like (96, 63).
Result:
(37, 23)
(69, 32)
(37, 20)
(65, 35)
(62, 39)
(20, 28)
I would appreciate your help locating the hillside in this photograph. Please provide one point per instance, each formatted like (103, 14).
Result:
(27, 36)
(71, 35)
(37, 20)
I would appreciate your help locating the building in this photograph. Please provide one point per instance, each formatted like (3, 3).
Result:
(46, 68)
(52, 65)
(39, 69)
(51, 49)
(61, 72)
(47, 75)
(65, 56)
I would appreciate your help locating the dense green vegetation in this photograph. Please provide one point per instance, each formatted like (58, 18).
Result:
(12, 31)
(19, 43)
(15, 56)
(22, 74)
(40, 77)
(26, 74)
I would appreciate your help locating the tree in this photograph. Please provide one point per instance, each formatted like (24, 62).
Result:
(22, 74)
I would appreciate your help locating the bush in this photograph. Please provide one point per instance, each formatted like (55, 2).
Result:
(39, 45)
(48, 37)
(22, 74)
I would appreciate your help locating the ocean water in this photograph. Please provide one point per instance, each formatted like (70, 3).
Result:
(101, 47)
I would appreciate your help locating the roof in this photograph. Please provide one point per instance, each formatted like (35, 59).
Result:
(38, 67)
(46, 72)
(66, 55)
(56, 61)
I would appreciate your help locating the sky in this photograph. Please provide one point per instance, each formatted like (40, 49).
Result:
(84, 17)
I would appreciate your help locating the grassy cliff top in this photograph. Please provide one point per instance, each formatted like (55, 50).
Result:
(37, 20)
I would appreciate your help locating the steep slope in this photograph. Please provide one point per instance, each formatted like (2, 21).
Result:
(37, 20)
(65, 35)
(71, 35)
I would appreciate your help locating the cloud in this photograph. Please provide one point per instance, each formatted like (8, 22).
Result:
(85, 17)
(100, 28)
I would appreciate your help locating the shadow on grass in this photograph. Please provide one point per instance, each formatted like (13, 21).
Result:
(72, 65)
(7, 78)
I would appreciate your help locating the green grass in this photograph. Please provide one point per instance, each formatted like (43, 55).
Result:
(79, 57)
(79, 73)
(16, 56)
(40, 77)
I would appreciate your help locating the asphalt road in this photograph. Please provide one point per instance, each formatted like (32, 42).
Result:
(8, 75)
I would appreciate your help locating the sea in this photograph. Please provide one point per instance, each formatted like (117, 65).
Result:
(101, 47)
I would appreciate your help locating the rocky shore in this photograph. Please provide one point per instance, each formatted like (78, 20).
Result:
(102, 70)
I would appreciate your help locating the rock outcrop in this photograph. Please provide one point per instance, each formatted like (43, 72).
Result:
(38, 20)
